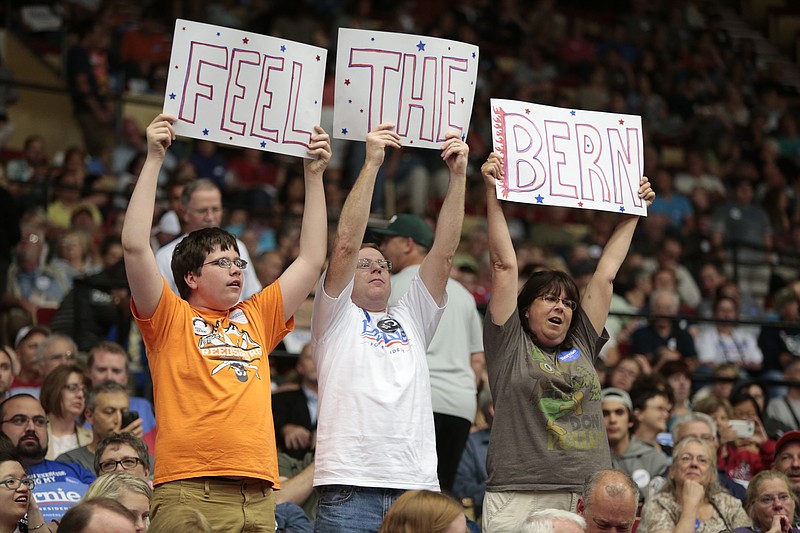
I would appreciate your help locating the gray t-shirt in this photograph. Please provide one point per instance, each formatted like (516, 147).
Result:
(548, 432)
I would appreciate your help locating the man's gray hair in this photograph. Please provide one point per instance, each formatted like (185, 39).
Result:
(692, 416)
(103, 388)
(616, 483)
(50, 340)
(542, 521)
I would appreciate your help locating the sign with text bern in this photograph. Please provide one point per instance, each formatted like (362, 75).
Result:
(237, 87)
(568, 157)
(424, 85)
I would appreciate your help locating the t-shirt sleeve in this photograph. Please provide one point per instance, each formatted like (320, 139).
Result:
(327, 308)
(267, 309)
(419, 302)
(501, 342)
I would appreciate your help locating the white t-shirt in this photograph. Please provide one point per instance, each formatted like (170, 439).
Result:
(250, 286)
(375, 420)
(740, 347)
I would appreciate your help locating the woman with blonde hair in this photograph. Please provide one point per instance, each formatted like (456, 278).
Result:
(132, 492)
(770, 502)
(692, 499)
(423, 511)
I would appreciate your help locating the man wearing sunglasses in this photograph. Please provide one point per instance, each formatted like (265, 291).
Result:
(375, 430)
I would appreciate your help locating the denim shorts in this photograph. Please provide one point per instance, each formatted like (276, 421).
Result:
(345, 508)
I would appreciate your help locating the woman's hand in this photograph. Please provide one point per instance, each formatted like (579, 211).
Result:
(646, 192)
(492, 170)
(692, 494)
(780, 524)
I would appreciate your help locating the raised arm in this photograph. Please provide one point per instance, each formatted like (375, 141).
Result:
(503, 302)
(596, 299)
(355, 212)
(299, 278)
(435, 268)
(144, 278)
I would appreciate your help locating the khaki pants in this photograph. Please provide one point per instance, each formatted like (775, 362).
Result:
(503, 511)
(246, 505)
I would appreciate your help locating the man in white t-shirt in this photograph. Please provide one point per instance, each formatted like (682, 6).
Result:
(375, 432)
(202, 208)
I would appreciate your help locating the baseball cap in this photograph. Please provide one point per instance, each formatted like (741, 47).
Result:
(786, 438)
(27, 331)
(408, 226)
(613, 394)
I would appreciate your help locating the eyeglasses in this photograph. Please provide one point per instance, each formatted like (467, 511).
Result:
(366, 263)
(13, 483)
(66, 356)
(783, 497)
(126, 462)
(75, 387)
(552, 300)
(22, 420)
(207, 211)
(687, 458)
(224, 262)
(705, 437)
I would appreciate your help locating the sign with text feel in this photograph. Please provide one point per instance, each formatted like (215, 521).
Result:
(424, 85)
(568, 157)
(236, 87)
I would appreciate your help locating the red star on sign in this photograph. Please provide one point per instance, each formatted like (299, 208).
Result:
(580, 204)
(462, 100)
(527, 111)
(621, 121)
(347, 82)
(245, 40)
(317, 58)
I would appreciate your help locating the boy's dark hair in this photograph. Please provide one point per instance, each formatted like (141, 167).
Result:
(191, 253)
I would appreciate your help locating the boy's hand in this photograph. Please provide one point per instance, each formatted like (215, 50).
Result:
(160, 135)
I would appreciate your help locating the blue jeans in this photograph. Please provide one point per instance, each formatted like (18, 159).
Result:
(345, 508)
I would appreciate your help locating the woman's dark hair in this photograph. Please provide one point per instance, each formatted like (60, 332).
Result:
(742, 397)
(547, 282)
(53, 385)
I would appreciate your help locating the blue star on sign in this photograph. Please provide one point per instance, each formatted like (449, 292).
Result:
(263, 144)
(283, 48)
(344, 131)
(539, 199)
(572, 112)
(473, 55)
(421, 46)
(172, 96)
(622, 209)
(205, 131)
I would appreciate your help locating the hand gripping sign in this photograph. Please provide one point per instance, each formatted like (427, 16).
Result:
(424, 85)
(236, 87)
(568, 157)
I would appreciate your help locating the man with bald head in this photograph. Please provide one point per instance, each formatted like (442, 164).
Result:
(609, 502)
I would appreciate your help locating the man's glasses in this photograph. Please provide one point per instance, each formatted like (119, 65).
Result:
(126, 462)
(75, 387)
(21, 420)
(224, 262)
(552, 300)
(366, 263)
(14, 483)
(65, 356)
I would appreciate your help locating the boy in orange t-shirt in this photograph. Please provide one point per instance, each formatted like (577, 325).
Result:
(215, 449)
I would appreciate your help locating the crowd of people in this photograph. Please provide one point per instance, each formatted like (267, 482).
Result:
(479, 362)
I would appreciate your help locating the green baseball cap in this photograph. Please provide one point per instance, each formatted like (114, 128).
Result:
(408, 226)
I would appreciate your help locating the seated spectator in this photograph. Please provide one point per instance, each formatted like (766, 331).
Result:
(9, 367)
(781, 345)
(712, 276)
(180, 518)
(25, 424)
(133, 493)
(770, 503)
(122, 452)
(552, 520)
(625, 373)
(424, 510)
(787, 408)
(295, 411)
(26, 344)
(639, 459)
(787, 459)
(669, 256)
(76, 255)
(63, 399)
(471, 475)
(747, 456)
(106, 406)
(723, 379)
(608, 502)
(679, 378)
(669, 203)
(16, 496)
(662, 339)
(756, 389)
(651, 409)
(99, 514)
(724, 342)
(692, 499)
(56, 350)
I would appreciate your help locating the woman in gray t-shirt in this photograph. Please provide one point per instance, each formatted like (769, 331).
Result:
(541, 345)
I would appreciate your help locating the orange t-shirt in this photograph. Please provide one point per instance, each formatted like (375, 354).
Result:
(211, 386)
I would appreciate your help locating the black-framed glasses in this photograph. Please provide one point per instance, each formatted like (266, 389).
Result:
(21, 420)
(552, 300)
(13, 483)
(64, 356)
(366, 263)
(74, 387)
(126, 462)
(224, 262)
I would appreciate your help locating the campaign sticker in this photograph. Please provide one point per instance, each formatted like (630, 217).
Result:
(569, 355)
